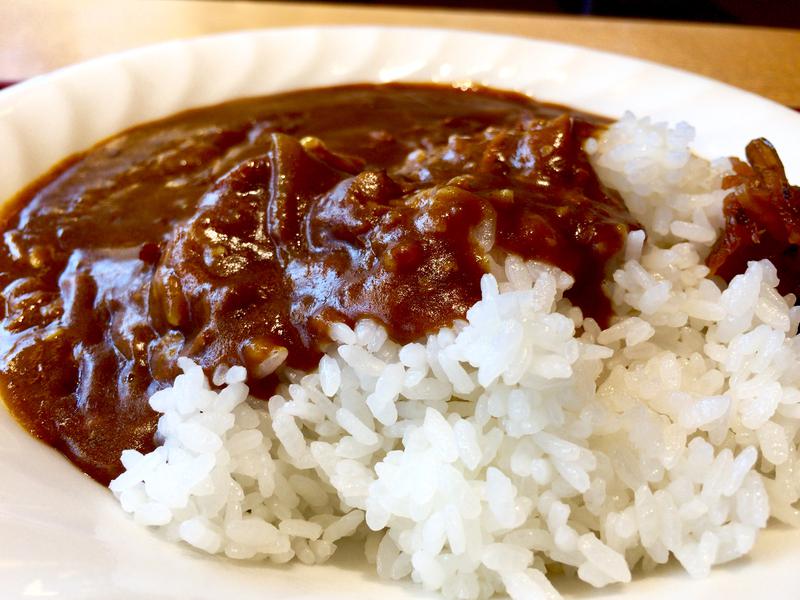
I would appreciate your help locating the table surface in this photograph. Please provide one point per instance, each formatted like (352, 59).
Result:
(37, 36)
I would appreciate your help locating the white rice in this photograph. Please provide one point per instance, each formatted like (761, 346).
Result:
(476, 460)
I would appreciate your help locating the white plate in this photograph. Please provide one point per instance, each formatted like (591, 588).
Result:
(62, 535)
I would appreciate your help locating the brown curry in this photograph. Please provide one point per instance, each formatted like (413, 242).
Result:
(236, 234)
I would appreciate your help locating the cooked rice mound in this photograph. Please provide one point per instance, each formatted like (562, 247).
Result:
(524, 440)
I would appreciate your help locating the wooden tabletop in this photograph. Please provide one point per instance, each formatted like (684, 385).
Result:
(40, 35)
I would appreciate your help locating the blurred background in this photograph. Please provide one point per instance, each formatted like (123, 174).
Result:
(771, 13)
(752, 44)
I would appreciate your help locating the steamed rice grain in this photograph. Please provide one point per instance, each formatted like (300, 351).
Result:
(524, 437)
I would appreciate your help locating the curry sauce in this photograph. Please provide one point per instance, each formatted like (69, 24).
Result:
(236, 234)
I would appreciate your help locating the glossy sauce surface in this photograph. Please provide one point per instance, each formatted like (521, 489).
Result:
(236, 234)
(762, 219)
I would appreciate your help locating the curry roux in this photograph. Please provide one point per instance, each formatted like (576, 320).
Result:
(237, 233)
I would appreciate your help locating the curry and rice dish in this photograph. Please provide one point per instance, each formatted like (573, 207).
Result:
(492, 339)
